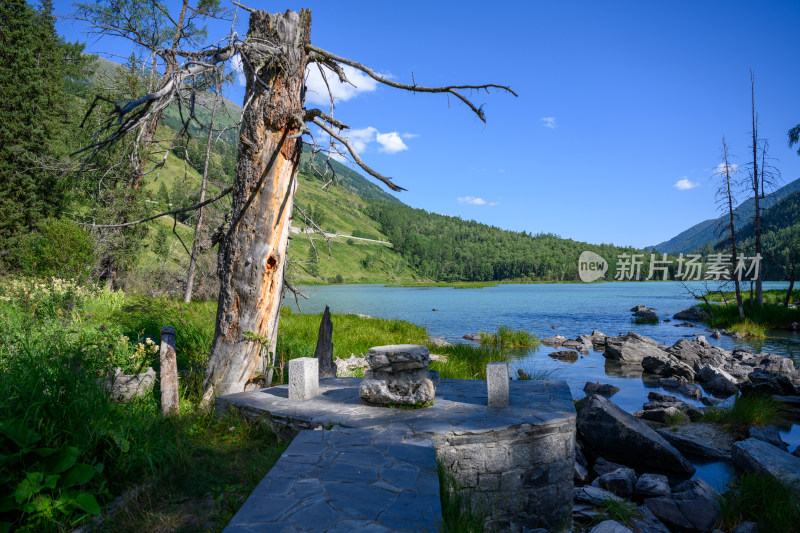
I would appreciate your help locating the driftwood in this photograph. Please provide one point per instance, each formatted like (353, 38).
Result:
(324, 351)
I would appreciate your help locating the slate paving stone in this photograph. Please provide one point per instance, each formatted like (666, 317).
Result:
(375, 469)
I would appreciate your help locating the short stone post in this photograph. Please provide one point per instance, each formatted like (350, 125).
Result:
(303, 378)
(169, 373)
(497, 384)
(324, 351)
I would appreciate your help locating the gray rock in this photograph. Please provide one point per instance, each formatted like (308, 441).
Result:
(693, 447)
(579, 457)
(766, 382)
(768, 434)
(580, 473)
(736, 335)
(684, 325)
(664, 365)
(593, 495)
(638, 308)
(619, 481)
(600, 388)
(647, 522)
(691, 390)
(572, 343)
(753, 455)
(646, 314)
(474, 337)
(690, 410)
(694, 506)
(716, 380)
(796, 452)
(710, 402)
(569, 356)
(555, 341)
(672, 383)
(610, 432)
(601, 466)
(660, 414)
(746, 527)
(772, 362)
(398, 375)
(693, 313)
(687, 351)
(631, 348)
(651, 486)
(598, 338)
(610, 526)
(717, 334)
(439, 342)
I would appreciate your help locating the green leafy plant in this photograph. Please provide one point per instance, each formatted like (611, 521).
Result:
(42, 484)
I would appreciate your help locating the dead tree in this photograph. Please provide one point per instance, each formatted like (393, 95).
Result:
(725, 202)
(252, 252)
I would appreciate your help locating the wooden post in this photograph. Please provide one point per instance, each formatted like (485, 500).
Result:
(324, 351)
(169, 373)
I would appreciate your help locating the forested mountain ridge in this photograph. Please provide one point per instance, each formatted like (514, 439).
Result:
(704, 233)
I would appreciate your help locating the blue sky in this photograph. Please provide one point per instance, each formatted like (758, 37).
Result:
(619, 102)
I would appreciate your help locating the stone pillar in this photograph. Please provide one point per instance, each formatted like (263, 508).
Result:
(303, 378)
(169, 373)
(497, 384)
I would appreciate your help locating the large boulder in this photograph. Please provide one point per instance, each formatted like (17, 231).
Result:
(716, 380)
(695, 314)
(692, 506)
(619, 481)
(651, 486)
(665, 365)
(753, 455)
(687, 351)
(610, 526)
(608, 431)
(631, 348)
(766, 382)
(768, 434)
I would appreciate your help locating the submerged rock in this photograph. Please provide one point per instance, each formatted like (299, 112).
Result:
(600, 388)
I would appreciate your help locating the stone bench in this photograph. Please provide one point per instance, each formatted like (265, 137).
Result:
(346, 480)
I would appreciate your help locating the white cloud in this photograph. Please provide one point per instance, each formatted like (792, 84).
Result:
(549, 122)
(474, 200)
(317, 91)
(236, 64)
(684, 184)
(732, 168)
(365, 139)
(391, 143)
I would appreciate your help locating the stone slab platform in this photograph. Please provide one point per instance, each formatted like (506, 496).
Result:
(346, 480)
(460, 407)
(514, 462)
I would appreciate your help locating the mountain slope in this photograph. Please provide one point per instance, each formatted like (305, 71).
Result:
(700, 234)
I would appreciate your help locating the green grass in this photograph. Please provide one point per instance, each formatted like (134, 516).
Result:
(747, 410)
(773, 296)
(467, 362)
(770, 315)
(506, 337)
(749, 329)
(457, 513)
(51, 355)
(623, 511)
(538, 374)
(677, 419)
(772, 503)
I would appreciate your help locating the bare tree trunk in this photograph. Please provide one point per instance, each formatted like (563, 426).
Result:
(187, 297)
(756, 187)
(728, 193)
(252, 256)
(788, 298)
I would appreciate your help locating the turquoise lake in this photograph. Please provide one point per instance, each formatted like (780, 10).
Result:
(573, 309)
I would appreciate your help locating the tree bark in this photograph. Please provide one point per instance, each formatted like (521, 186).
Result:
(252, 256)
(756, 187)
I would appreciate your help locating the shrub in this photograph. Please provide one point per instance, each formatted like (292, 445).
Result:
(60, 248)
(506, 337)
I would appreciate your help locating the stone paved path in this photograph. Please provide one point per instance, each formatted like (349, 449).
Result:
(344, 480)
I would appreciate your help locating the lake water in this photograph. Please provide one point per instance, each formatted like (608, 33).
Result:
(573, 309)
